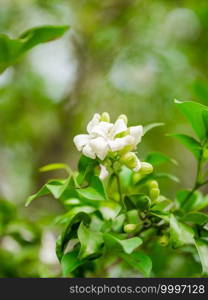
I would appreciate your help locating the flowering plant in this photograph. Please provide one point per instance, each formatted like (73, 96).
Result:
(115, 213)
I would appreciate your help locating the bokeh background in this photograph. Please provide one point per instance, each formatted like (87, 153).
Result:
(121, 56)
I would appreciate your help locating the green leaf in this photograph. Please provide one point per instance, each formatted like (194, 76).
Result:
(139, 201)
(56, 166)
(91, 242)
(42, 192)
(70, 232)
(192, 144)
(151, 126)
(156, 159)
(193, 111)
(202, 248)
(162, 204)
(95, 191)
(55, 187)
(98, 185)
(70, 262)
(195, 202)
(162, 215)
(118, 245)
(12, 49)
(86, 168)
(118, 222)
(166, 176)
(196, 218)
(139, 261)
(180, 233)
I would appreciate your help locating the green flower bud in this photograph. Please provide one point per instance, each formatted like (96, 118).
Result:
(105, 117)
(136, 177)
(126, 149)
(146, 168)
(163, 240)
(152, 184)
(154, 193)
(124, 118)
(130, 160)
(130, 228)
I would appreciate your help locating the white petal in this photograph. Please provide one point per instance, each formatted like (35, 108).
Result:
(95, 121)
(136, 132)
(100, 147)
(119, 127)
(87, 151)
(138, 166)
(80, 141)
(120, 143)
(102, 129)
(103, 172)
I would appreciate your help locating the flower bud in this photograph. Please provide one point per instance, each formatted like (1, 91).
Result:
(146, 168)
(124, 118)
(130, 228)
(153, 184)
(136, 177)
(105, 117)
(131, 161)
(163, 240)
(154, 193)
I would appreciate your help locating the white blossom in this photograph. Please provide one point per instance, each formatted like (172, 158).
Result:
(104, 137)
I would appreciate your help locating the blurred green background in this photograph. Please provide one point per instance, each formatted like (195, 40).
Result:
(120, 56)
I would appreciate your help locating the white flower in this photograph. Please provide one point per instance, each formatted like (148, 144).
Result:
(104, 137)
(103, 172)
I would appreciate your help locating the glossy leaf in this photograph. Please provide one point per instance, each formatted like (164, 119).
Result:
(139, 261)
(196, 218)
(70, 232)
(91, 242)
(193, 111)
(202, 248)
(195, 202)
(149, 127)
(192, 144)
(12, 49)
(139, 201)
(70, 262)
(52, 167)
(180, 233)
(156, 159)
(121, 245)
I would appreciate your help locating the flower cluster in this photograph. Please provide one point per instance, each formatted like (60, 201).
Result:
(105, 138)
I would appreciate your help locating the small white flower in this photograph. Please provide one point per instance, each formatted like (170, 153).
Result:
(104, 137)
(100, 147)
(103, 172)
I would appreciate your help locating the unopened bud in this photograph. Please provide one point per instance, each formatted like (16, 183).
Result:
(105, 117)
(153, 184)
(131, 161)
(129, 228)
(154, 193)
(146, 168)
(164, 240)
(136, 177)
(124, 118)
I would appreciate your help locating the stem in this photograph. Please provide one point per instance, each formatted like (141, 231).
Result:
(119, 186)
(198, 184)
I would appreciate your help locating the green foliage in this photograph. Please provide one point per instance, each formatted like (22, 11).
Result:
(126, 215)
(12, 49)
